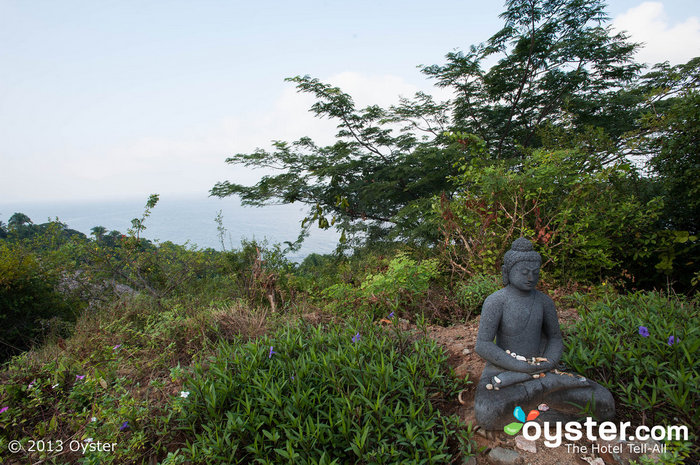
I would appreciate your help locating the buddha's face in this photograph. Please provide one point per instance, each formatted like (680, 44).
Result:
(524, 275)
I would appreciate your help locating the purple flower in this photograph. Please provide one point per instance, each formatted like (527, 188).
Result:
(672, 340)
(31, 385)
(643, 331)
(124, 426)
(391, 315)
(4, 409)
(77, 377)
(117, 346)
(271, 352)
(356, 337)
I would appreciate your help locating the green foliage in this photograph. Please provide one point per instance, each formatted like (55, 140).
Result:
(32, 307)
(669, 136)
(375, 177)
(405, 278)
(125, 363)
(558, 64)
(63, 401)
(318, 272)
(339, 394)
(261, 272)
(400, 288)
(585, 224)
(471, 293)
(677, 453)
(138, 224)
(21, 228)
(114, 259)
(563, 81)
(654, 376)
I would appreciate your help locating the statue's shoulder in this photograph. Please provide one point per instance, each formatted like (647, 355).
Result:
(496, 299)
(544, 298)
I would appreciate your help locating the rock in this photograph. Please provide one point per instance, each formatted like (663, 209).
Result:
(524, 444)
(490, 435)
(593, 461)
(501, 456)
(467, 351)
(470, 461)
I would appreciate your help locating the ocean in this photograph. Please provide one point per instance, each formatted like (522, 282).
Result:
(184, 220)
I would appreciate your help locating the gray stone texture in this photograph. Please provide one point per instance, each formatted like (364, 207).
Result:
(519, 322)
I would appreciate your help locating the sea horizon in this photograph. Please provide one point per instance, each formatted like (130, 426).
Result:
(182, 219)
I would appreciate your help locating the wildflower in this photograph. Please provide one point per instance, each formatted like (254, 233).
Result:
(184, 394)
(124, 426)
(54, 386)
(672, 340)
(356, 337)
(31, 385)
(292, 377)
(93, 419)
(4, 409)
(271, 352)
(643, 331)
(116, 347)
(87, 440)
(77, 377)
(391, 315)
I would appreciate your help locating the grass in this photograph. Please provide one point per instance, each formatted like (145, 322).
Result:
(120, 377)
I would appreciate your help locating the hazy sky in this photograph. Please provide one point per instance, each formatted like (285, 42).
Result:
(110, 99)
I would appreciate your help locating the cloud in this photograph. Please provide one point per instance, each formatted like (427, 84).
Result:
(193, 159)
(649, 24)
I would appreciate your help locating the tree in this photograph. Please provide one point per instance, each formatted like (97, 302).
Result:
(668, 137)
(378, 176)
(559, 66)
(18, 220)
(98, 232)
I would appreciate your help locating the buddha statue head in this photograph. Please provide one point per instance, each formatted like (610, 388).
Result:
(521, 265)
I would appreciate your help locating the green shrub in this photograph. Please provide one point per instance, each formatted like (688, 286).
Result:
(643, 347)
(31, 307)
(471, 294)
(582, 220)
(401, 286)
(340, 394)
(404, 277)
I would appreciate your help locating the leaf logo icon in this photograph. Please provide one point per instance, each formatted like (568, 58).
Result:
(514, 428)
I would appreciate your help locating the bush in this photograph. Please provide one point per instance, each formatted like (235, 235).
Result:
(340, 394)
(643, 347)
(471, 293)
(31, 306)
(402, 285)
(582, 218)
(261, 271)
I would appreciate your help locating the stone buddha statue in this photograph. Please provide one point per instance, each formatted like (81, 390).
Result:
(520, 339)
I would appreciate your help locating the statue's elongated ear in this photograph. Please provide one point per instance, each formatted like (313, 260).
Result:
(505, 275)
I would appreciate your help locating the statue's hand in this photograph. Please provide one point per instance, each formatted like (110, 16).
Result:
(545, 367)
